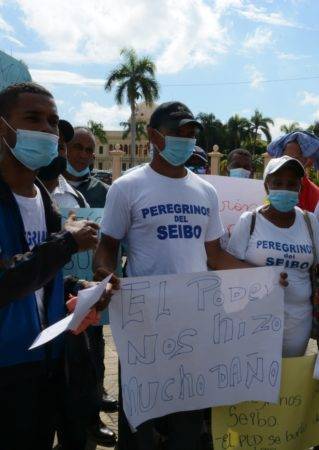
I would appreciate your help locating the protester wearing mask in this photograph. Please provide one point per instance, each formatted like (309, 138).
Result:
(277, 235)
(198, 162)
(72, 433)
(51, 176)
(141, 208)
(33, 250)
(304, 147)
(240, 164)
(80, 155)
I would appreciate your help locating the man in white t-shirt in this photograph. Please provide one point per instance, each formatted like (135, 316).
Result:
(169, 218)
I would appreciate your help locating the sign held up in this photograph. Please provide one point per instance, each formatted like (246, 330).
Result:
(293, 424)
(192, 341)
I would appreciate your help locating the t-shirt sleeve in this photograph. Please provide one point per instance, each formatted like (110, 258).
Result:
(215, 227)
(116, 216)
(238, 242)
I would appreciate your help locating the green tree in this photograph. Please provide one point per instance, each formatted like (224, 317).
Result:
(290, 128)
(140, 129)
(98, 131)
(134, 79)
(314, 128)
(213, 132)
(238, 129)
(259, 123)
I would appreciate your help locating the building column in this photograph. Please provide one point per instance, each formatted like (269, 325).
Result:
(117, 156)
(215, 160)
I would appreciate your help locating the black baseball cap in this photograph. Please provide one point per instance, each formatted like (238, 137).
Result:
(173, 115)
(199, 156)
(66, 130)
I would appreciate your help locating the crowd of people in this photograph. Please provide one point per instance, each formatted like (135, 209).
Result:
(57, 389)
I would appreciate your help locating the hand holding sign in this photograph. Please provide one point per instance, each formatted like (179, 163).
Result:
(84, 232)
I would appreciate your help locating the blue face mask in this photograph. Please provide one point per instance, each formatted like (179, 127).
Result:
(34, 149)
(70, 169)
(282, 200)
(177, 150)
(239, 173)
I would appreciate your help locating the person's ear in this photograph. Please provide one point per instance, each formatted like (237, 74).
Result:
(266, 188)
(156, 138)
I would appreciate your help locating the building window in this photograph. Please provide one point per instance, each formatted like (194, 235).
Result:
(145, 149)
(126, 148)
(101, 149)
(110, 147)
(100, 166)
(124, 167)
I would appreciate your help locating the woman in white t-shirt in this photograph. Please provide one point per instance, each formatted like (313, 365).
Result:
(277, 235)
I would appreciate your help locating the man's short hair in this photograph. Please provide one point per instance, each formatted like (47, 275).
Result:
(9, 96)
(238, 151)
(87, 129)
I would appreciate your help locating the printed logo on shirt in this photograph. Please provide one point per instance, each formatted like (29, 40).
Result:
(289, 259)
(181, 229)
(35, 237)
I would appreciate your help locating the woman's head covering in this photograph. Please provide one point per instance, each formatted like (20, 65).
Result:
(308, 143)
(284, 161)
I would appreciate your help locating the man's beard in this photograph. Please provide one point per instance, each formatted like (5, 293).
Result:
(53, 170)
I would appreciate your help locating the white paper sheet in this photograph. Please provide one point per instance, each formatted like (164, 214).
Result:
(52, 332)
(86, 299)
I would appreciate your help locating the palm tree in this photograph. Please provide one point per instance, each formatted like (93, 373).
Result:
(213, 131)
(238, 129)
(135, 80)
(290, 128)
(140, 129)
(98, 131)
(260, 123)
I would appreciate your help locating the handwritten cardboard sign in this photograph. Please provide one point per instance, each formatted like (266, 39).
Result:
(236, 196)
(293, 424)
(198, 340)
(81, 263)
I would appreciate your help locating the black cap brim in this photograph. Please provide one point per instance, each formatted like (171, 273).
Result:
(66, 130)
(190, 122)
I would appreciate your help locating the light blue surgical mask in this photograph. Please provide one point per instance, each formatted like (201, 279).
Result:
(239, 173)
(70, 169)
(34, 149)
(177, 149)
(283, 200)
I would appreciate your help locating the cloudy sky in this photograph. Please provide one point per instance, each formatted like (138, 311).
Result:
(222, 56)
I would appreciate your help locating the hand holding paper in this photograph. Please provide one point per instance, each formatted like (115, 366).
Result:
(93, 317)
(85, 300)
